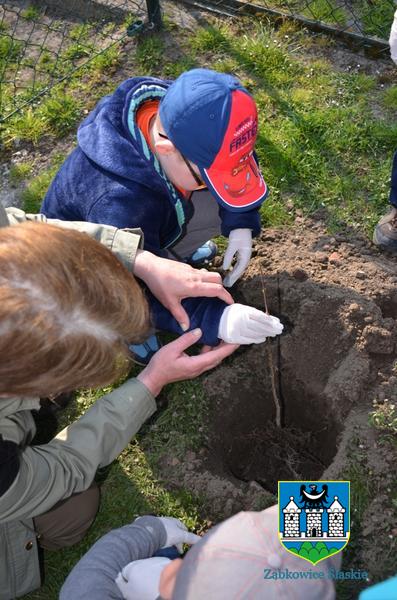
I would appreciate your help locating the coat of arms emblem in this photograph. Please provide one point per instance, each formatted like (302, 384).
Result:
(314, 517)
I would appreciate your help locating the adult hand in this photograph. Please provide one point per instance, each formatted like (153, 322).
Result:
(171, 363)
(240, 245)
(242, 324)
(171, 281)
(177, 533)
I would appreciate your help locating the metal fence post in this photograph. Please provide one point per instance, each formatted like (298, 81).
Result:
(154, 13)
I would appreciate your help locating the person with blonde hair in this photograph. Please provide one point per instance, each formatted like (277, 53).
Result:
(68, 311)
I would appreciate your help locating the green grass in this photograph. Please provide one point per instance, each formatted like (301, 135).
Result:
(57, 114)
(327, 11)
(19, 172)
(377, 18)
(172, 70)
(76, 51)
(27, 126)
(390, 97)
(31, 13)
(149, 54)
(61, 112)
(81, 32)
(32, 196)
(9, 50)
(106, 61)
(319, 143)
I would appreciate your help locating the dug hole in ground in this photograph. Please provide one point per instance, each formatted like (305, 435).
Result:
(333, 366)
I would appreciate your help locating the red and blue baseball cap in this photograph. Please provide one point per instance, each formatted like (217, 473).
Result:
(213, 121)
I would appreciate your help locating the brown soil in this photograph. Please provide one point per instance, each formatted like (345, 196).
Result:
(338, 301)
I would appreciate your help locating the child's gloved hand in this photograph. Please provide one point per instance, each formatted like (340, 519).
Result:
(140, 579)
(240, 243)
(177, 533)
(242, 324)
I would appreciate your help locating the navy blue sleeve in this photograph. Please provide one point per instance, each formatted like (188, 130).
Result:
(203, 312)
(240, 220)
(9, 464)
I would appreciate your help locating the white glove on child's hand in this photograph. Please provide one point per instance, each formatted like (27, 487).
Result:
(177, 533)
(393, 39)
(242, 324)
(240, 243)
(140, 579)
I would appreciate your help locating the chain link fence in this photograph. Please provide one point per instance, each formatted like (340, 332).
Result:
(44, 42)
(361, 22)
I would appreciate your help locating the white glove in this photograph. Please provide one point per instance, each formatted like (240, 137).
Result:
(393, 39)
(242, 324)
(177, 533)
(240, 243)
(140, 579)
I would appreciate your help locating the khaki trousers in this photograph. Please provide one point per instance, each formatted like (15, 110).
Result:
(68, 521)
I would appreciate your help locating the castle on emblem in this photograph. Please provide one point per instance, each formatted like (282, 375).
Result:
(292, 519)
(335, 519)
(314, 522)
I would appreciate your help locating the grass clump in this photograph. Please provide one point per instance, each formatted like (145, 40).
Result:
(210, 39)
(76, 51)
(29, 127)
(106, 60)
(390, 97)
(384, 417)
(149, 54)
(60, 112)
(55, 116)
(80, 32)
(33, 195)
(19, 172)
(9, 50)
(31, 13)
(172, 70)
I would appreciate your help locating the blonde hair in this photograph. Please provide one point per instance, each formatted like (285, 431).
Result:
(68, 309)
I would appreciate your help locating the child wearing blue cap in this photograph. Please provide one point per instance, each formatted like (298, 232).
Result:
(176, 160)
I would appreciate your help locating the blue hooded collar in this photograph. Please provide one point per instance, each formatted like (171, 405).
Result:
(111, 139)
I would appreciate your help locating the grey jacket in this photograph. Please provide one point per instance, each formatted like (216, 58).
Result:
(94, 575)
(66, 465)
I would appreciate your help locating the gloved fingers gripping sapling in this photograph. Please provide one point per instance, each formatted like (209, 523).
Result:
(242, 324)
(177, 533)
(240, 245)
